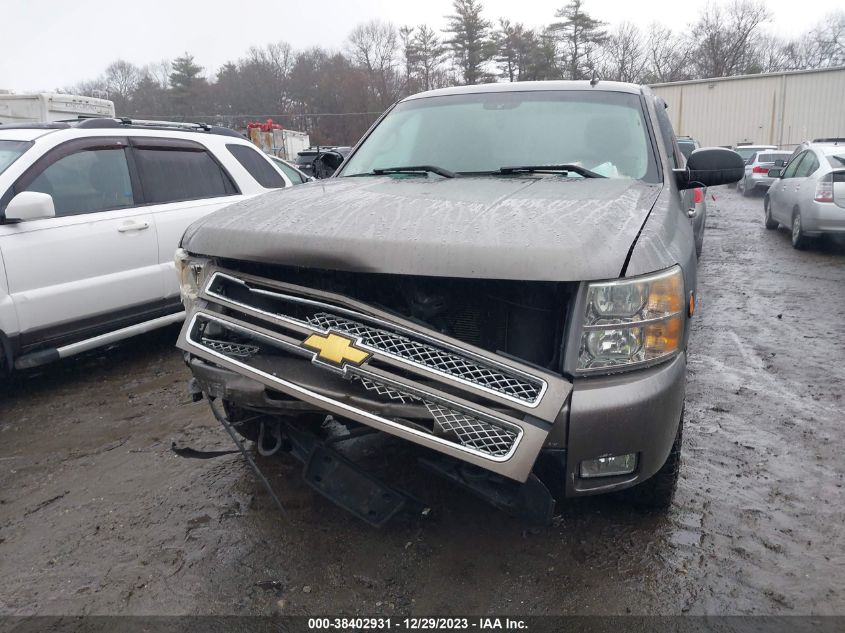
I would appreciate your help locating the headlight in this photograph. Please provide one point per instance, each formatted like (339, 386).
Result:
(632, 322)
(190, 269)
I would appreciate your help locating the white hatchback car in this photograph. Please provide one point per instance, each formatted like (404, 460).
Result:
(91, 213)
(808, 195)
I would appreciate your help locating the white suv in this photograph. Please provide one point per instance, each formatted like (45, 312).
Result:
(91, 213)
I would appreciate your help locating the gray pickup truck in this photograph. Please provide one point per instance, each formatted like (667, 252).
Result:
(502, 274)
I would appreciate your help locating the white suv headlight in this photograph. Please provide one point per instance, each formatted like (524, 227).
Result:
(632, 322)
(190, 270)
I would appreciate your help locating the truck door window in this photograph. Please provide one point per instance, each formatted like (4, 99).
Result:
(172, 174)
(87, 181)
(668, 135)
(257, 166)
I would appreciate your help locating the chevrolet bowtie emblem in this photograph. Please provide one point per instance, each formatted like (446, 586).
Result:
(335, 349)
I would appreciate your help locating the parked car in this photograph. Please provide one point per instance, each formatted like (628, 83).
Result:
(757, 168)
(91, 213)
(296, 176)
(835, 141)
(808, 194)
(747, 150)
(503, 274)
(688, 145)
(321, 161)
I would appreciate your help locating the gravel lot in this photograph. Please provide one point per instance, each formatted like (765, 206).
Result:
(98, 516)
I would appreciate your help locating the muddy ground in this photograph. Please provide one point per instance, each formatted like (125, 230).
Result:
(98, 516)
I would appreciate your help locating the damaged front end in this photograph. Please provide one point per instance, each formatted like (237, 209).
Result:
(395, 354)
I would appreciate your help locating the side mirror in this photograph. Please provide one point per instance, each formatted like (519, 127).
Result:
(780, 162)
(775, 173)
(30, 205)
(711, 166)
(327, 163)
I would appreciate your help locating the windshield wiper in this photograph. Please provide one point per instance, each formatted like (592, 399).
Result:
(565, 167)
(434, 169)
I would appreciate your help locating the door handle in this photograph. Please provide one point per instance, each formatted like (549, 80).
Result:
(691, 212)
(134, 226)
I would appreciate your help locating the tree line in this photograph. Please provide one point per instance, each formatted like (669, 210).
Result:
(336, 94)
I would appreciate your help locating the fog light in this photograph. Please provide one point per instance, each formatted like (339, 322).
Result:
(609, 466)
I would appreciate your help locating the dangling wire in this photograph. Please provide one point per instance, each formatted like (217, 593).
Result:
(221, 417)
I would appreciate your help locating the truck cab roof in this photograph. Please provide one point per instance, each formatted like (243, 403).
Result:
(532, 86)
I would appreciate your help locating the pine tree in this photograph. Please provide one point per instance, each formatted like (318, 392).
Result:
(580, 35)
(470, 42)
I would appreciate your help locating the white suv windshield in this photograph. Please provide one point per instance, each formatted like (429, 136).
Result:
(10, 151)
(604, 132)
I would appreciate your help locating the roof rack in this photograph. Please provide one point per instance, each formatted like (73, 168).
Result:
(54, 125)
(105, 122)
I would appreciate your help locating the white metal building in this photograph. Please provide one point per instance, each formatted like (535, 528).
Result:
(780, 109)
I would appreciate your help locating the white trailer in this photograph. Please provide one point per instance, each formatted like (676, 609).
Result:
(285, 144)
(289, 143)
(45, 107)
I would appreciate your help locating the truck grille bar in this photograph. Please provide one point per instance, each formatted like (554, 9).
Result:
(429, 356)
(382, 337)
(469, 430)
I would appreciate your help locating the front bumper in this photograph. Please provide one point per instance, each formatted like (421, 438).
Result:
(617, 415)
(403, 379)
(637, 412)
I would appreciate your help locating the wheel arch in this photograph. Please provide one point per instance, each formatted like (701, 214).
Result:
(6, 355)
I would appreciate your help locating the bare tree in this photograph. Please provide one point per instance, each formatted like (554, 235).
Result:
(668, 55)
(625, 54)
(121, 79)
(821, 47)
(159, 72)
(373, 47)
(726, 36)
(771, 54)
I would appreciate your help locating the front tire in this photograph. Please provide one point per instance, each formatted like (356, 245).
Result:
(799, 240)
(657, 492)
(770, 222)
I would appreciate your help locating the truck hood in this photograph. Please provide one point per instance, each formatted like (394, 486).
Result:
(542, 228)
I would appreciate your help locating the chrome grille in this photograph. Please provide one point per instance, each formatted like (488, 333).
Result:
(432, 357)
(240, 350)
(384, 390)
(469, 431)
(472, 432)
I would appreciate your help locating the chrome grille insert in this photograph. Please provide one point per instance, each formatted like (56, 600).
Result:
(469, 431)
(240, 350)
(472, 432)
(383, 390)
(430, 356)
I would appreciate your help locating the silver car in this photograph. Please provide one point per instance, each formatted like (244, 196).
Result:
(747, 150)
(757, 171)
(808, 194)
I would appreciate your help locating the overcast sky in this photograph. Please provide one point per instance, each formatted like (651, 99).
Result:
(48, 44)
